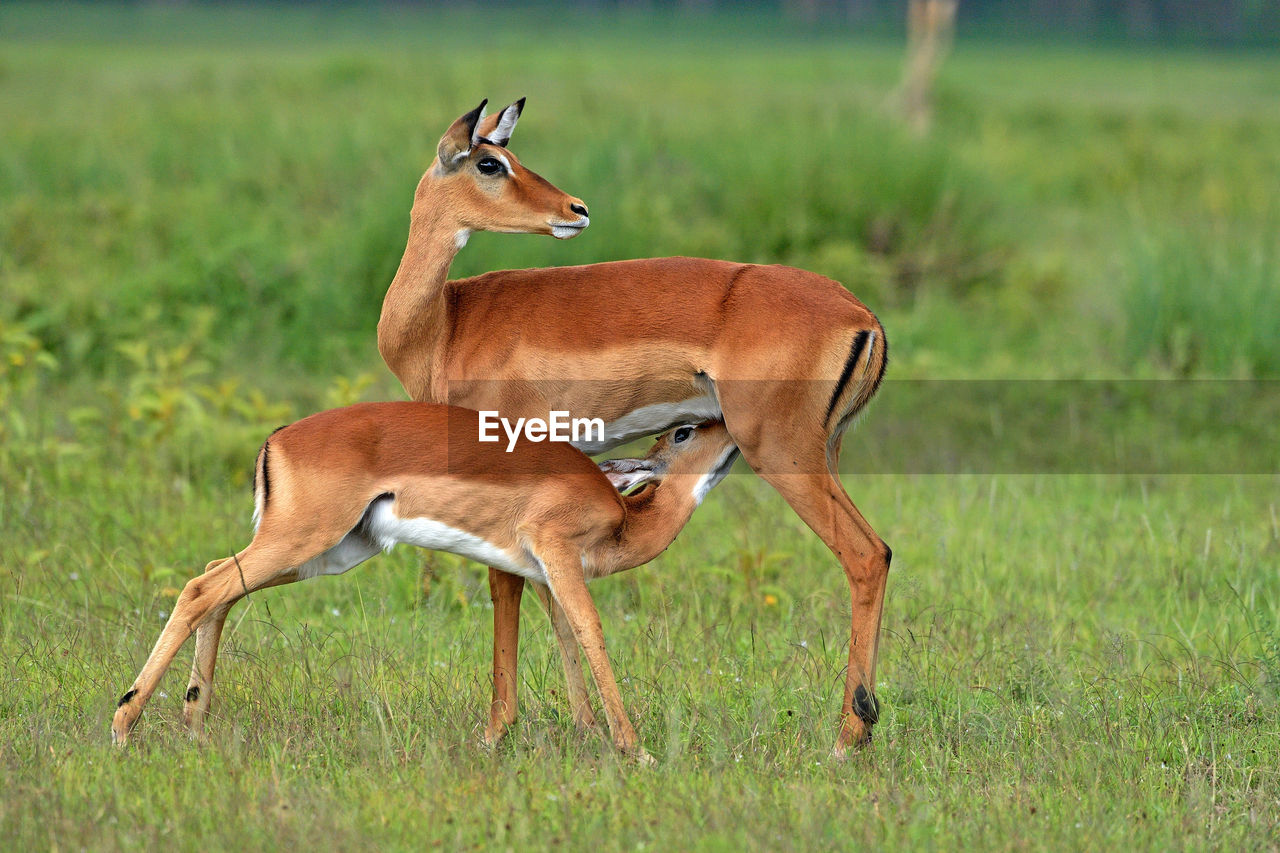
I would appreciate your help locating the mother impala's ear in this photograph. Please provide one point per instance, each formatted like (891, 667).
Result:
(626, 474)
(458, 139)
(497, 128)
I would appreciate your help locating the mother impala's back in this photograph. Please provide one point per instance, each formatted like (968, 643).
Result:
(786, 357)
(645, 350)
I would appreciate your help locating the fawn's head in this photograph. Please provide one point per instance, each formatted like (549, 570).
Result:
(477, 182)
(702, 452)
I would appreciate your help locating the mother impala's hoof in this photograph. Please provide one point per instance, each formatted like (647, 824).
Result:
(491, 736)
(120, 727)
(855, 735)
(842, 750)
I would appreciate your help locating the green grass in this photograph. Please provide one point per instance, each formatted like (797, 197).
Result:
(199, 213)
(1068, 661)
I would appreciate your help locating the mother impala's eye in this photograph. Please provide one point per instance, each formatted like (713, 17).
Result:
(490, 166)
(682, 434)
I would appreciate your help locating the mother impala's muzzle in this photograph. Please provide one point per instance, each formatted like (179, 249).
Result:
(571, 228)
(566, 230)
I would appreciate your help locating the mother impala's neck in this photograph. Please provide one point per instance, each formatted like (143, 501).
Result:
(414, 321)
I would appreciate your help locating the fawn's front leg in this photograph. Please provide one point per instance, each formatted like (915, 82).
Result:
(579, 699)
(563, 568)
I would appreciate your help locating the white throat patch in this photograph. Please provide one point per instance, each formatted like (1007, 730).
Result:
(712, 478)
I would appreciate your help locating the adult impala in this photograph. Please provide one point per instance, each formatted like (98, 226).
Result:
(332, 490)
(786, 357)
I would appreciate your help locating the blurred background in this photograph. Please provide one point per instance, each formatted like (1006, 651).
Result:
(202, 205)
(1077, 188)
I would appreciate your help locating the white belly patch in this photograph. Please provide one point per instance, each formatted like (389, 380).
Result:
(387, 529)
(381, 530)
(353, 550)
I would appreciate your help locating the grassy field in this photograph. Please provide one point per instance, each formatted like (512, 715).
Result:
(199, 213)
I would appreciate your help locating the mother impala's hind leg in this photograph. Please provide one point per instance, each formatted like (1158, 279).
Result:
(792, 457)
(228, 580)
(820, 500)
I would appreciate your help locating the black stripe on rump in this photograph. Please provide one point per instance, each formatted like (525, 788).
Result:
(859, 343)
(884, 359)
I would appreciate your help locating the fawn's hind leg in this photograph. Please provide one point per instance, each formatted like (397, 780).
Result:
(200, 685)
(210, 593)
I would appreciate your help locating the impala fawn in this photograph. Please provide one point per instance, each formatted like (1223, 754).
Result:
(333, 489)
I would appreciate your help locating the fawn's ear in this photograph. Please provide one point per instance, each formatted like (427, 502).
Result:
(497, 128)
(458, 139)
(626, 474)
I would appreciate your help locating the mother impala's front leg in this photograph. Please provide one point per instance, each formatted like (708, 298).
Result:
(505, 589)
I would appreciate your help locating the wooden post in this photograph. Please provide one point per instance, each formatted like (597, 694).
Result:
(930, 27)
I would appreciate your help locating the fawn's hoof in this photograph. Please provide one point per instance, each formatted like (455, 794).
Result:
(120, 727)
(642, 758)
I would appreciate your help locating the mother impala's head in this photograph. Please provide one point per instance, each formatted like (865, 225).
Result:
(481, 185)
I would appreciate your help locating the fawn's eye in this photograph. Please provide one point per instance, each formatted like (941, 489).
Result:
(682, 434)
(490, 166)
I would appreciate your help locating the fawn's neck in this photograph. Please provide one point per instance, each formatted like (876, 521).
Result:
(655, 516)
